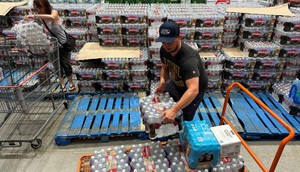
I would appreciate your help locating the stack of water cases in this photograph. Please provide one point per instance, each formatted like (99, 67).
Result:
(208, 36)
(91, 21)
(268, 67)
(155, 156)
(108, 22)
(114, 74)
(254, 36)
(75, 21)
(256, 28)
(139, 158)
(231, 26)
(208, 28)
(134, 25)
(183, 15)
(122, 25)
(156, 16)
(214, 68)
(287, 35)
(237, 69)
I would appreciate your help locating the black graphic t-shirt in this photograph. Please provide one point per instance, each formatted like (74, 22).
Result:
(184, 65)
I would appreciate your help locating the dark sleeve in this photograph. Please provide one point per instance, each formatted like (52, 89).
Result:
(190, 69)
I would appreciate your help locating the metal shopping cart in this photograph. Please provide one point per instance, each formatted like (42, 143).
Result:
(30, 73)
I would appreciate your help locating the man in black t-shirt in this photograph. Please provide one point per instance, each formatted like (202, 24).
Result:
(182, 73)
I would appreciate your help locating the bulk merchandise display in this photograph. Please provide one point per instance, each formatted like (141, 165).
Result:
(204, 27)
(269, 42)
(114, 74)
(286, 36)
(270, 47)
(122, 25)
(199, 148)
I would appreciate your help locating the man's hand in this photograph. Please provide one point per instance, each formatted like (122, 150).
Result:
(160, 88)
(169, 115)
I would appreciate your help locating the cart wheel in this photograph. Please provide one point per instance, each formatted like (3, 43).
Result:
(36, 145)
(66, 105)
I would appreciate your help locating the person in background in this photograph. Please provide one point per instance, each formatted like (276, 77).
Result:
(182, 74)
(53, 21)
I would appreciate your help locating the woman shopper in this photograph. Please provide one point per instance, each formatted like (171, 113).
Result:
(53, 22)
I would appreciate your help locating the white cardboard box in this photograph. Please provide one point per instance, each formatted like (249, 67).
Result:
(230, 143)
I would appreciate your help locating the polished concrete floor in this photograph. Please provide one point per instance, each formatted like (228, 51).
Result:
(53, 158)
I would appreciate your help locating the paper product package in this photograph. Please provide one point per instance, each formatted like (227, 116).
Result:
(200, 147)
(229, 141)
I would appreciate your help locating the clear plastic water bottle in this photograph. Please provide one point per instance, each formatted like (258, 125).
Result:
(92, 160)
(93, 168)
(295, 91)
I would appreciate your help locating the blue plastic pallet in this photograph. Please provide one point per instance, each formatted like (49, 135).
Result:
(254, 127)
(210, 110)
(280, 111)
(256, 122)
(218, 99)
(105, 116)
(101, 116)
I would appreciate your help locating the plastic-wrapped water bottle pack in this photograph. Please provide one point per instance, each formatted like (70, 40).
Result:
(152, 108)
(159, 157)
(31, 34)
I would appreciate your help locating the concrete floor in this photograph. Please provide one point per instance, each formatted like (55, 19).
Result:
(53, 158)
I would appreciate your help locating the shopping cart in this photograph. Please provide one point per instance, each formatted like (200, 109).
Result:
(274, 115)
(26, 97)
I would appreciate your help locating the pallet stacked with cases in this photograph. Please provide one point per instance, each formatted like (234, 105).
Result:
(156, 16)
(256, 28)
(208, 36)
(91, 21)
(122, 25)
(258, 68)
(231, 25)
(114, 74)
(237, 67)
(286, 35)
(187, 18)
(208, 28)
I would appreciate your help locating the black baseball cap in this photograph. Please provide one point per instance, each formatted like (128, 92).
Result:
(168, 31)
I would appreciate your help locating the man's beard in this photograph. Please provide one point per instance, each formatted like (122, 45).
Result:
(173, 50)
